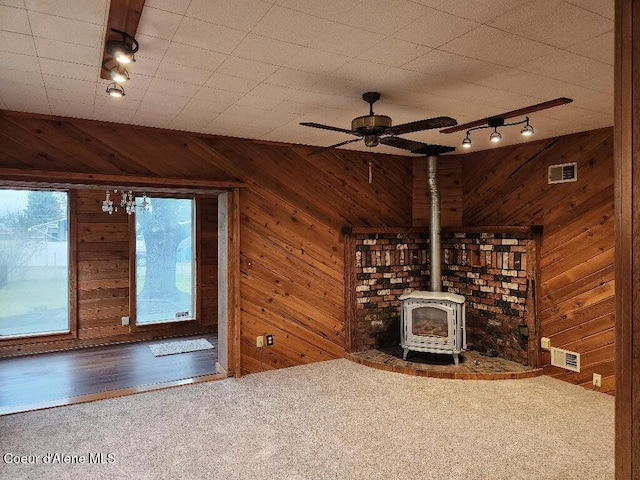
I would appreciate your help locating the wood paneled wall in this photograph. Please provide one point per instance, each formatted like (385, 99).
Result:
(291, 215)
(508, 186)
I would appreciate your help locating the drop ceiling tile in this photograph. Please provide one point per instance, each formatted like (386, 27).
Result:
(269, 50)
(70, 95)
(66, 30)
(495, 46)
(151, 47)
(553, 22)
(481, 11)
(56, 50)
(14, 61)
(169, 87)
(257, 101)
(438, 62)
(195, 57)
(27, 103)
(242, 113)
(20, 77)
(175, 6)
(375, 76)
(207, 35)
(10, 89)
(143, 66)
(14, 20)
(13, 3)
(16, 43)
(275, 92)
(76, 109)
(286, 77)
(394, 52)
(163, 103)
(435, 28)
(575, 69)
(526, 83)
(199, 107)
(383, 16)
(290, 26)
(158, 23)
(316, 61)
(345, 40)
(72, 84)
(92, 11)
(244, 68)
(599, 48)
(237, 14)
(328, 9)
(230, 83)
(181, 73)
(604, 8)
(68, 69)
(136, 81)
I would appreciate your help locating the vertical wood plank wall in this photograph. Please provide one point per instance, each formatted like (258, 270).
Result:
(291, 216)
(508, 186)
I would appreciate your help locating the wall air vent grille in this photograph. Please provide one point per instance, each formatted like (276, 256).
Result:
(565, 359)
(562, 173)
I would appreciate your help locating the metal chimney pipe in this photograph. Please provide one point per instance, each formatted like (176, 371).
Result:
(434, 222)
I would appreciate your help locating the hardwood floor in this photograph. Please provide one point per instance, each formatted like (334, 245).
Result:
(76, 376)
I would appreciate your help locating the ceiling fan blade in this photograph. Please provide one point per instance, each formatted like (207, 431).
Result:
(513, 113)
(416, 147)
(427, 124)
(320, 150)
(326, 127)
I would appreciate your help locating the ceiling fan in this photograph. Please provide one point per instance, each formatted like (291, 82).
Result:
(376, 129)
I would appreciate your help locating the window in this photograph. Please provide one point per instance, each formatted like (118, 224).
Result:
(164, 263)
(34, 262)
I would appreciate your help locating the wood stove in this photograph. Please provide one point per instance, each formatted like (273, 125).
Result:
(433, 322)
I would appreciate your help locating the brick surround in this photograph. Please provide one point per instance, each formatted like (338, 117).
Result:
(493, 270)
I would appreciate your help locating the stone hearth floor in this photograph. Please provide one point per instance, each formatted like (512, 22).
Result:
(473, 365)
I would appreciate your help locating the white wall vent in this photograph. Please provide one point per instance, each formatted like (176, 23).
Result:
(564, 172)
(565, 359)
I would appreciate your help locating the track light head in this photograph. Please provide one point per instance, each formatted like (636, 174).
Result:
(122, 50)
(495, 137)
(466, 143)
(115, 90)
(527, 130)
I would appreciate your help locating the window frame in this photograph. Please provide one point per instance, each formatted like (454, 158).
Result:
(196, 320)
(72, 275)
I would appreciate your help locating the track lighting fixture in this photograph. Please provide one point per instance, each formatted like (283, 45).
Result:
(116, 72)
(496, 136)
(122, 50)
(115, 90)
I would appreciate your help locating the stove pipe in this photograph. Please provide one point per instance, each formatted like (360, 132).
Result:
(434, 222)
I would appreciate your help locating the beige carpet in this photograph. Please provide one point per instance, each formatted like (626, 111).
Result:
(329, 420)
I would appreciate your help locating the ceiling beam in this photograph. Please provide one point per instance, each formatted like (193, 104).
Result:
(124, 15)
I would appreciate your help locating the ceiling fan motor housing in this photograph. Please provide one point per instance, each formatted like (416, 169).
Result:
(371, 124)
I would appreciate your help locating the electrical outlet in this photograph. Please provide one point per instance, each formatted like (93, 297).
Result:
(260, 341)
(545, 343)
(597, 380)
(269, 340)
(125, 321)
